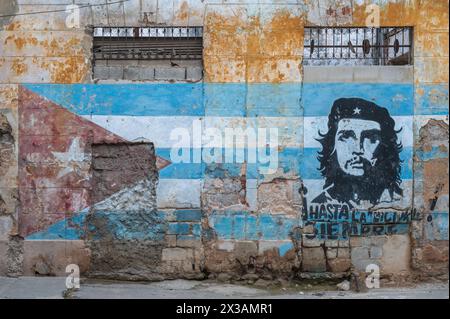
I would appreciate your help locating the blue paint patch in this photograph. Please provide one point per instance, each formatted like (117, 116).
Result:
(228, 99)
(187, 237)
(245, 226)
(298, 161)
(265, 99)
(432, 99)
(225, 98)
(435, 153)
(188, 215)
(71, 228)
(158, 99)
(128, 225)
(318, 98)
(284, 248)
(74, 227)
(436, 226)
(179, 229)
(197, 230)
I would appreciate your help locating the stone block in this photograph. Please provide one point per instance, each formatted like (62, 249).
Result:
(344, 243)
(131, 73)
(331, 243)
(343, 253)
(243, 250)
(101, 72)
(225, 245)
(3, 258)
(396, 254)
(314, 260)
(179, 228)
(116, 72)
(376, 252)
(6, 226)
(171, 240)
(55, 255)
(312, 242)
(194, 73)
(359, 253)
(189, 241)
(361, 264)
(339, 264)
(146, 73)
(356, 241)
(331, 253)
(177, 254)
(188, 215)
(170, 73)
(282, 246)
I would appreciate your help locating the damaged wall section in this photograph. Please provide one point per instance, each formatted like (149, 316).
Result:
(224, 220)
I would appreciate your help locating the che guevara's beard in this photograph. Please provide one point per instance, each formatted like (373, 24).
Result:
(367, 187)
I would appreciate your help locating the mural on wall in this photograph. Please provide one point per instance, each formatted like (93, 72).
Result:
(359, 159)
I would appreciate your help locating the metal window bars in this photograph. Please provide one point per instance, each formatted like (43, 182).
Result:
(148, 43)
(358, 46)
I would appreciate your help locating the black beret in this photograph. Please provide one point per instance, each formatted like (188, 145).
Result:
(357, 108)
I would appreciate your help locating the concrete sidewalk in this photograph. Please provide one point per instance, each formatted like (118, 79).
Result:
(54, 288)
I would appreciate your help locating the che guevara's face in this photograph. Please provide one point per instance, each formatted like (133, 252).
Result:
(356, 141)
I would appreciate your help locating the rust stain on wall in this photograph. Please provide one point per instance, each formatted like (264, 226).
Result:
(268, 51)
(18, 66)
(53, 46)
(70, 70)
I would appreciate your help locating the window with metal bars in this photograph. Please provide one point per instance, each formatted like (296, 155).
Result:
(358, 46)
(148, 53)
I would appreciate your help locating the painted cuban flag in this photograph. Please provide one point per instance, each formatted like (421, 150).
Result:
(57, 123)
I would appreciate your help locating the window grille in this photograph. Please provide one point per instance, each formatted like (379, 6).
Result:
(148, 43)
(358, 46)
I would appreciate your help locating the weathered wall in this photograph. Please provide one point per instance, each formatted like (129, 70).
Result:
(208, 217)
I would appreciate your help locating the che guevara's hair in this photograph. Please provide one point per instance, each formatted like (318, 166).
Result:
(385, 174)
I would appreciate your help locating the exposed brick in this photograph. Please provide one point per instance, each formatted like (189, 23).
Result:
(244, 249)
(6, 225)
(314, 260)
(331, 253)
(312, 242)
(344, 253)
(331, 243)
(171, 240)
(356, 242)
(339, 264)
(3, 258)
(344, 243)
(189, 241)
(177, 254)
(359, 253)
(226, 245)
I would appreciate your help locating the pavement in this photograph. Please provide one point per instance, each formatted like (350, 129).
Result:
(55, 288)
